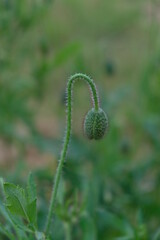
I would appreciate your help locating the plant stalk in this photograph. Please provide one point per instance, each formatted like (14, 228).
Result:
(67, 138)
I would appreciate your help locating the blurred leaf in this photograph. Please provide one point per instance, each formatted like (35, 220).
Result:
(157, 235)
(32, 198)
(124, 238)
(21, 203)
(7, 233)
(57, 60)
(39, 236)
(65, 53)
(16, 200)
(88, 227)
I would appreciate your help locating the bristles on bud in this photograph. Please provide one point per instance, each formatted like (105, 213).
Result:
(95, 124)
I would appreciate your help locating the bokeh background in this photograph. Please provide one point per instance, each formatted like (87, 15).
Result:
(110, 189)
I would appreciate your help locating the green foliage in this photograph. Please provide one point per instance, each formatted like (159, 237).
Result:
(16, 201)
(21, 202)
(20, 210)
(39, 236)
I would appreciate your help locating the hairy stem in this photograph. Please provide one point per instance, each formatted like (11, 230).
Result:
(67, 137)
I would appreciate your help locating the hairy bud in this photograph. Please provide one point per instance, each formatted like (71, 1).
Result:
(95, 124)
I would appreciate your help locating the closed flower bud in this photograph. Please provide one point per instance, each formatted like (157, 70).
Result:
(95, 124)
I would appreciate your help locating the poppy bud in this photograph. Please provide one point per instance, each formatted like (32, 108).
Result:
(95, 124)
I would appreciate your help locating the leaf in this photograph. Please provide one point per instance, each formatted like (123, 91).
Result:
(157, 235)
(5, 214)
(21, 202)
(32, 212)
(88, 227)
(65, 54)
(9, 219)
(124, 238)
(16, 200)
(40, 236)
(6, 232)
(60, 58)
(31, 199)
(20, 227)
(1, 184)
(31, 188)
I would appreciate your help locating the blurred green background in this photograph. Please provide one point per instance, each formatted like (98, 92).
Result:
(110, 189)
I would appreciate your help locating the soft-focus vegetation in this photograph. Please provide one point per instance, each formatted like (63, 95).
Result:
(109, 189)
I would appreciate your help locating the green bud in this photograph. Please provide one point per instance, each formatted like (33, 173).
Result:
(95, 124)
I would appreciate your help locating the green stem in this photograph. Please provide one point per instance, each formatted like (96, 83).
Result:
(67, 137)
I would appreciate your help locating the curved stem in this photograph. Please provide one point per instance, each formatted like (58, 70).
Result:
(67, 137)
